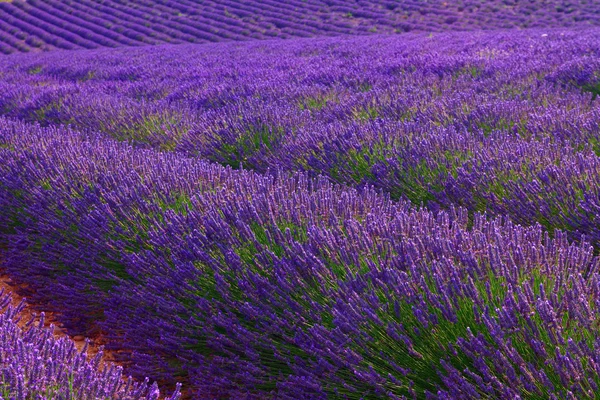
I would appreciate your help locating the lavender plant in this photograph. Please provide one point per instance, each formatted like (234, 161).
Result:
(459, 119)
(36, 365)
(258, 286)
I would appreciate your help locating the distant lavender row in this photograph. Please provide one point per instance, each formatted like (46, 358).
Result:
(250, 286)
(36, 365)
(49, 24)
(501, 122)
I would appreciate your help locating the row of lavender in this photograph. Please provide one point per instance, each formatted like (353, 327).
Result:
(251, 286)
(34, 364)
(504, 123)
(48, 24)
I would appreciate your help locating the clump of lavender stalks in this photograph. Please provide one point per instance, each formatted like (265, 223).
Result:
(36, 365)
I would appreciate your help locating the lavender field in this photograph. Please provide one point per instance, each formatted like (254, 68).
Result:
(383, 200)
(33, 25)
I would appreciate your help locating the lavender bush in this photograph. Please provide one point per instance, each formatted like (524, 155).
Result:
(36, 365)
(504, 123)
(286, 287)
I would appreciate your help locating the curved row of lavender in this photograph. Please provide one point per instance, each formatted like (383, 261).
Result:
(505, 123)
(252, 286)
(36, 365)
(84, 24)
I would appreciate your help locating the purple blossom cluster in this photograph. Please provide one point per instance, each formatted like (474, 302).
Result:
(283, 286)
(505, 123)
(36, 365)
(51, 24)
